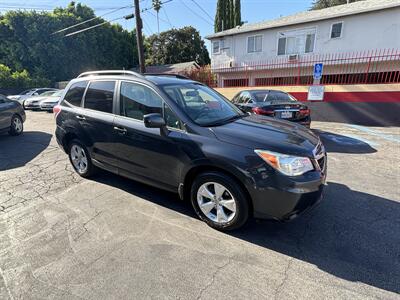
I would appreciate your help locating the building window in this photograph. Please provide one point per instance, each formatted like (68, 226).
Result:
(296, 42)
(336, 30)
(254, 44)
(215, 47)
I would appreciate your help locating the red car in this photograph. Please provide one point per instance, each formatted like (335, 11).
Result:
(272, 103)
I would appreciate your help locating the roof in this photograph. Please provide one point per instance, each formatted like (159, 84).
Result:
(172, 68)
(354, 8)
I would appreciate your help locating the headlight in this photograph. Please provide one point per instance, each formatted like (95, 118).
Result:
(286, 164)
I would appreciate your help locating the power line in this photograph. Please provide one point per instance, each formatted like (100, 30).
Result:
(165, 13)
(207, 14)
(91, 27)
(195, 13)
(151, 13)
(94, 18)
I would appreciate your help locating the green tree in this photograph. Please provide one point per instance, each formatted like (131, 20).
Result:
(319, 4)
(237, 13)
(176, 46)
(228, 15)
(219, 16)
(28, 43)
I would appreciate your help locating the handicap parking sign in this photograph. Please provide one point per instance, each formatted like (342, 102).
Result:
(318, 68)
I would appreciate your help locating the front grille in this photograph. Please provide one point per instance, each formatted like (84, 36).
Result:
(321, 163)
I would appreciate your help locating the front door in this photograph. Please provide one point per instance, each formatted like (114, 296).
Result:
(150, 154)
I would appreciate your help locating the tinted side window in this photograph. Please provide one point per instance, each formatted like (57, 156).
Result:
(170, 118)
(100, 95)
(75, 93)
(138, 100)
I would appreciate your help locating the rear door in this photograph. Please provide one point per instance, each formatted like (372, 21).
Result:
(96, 120)
(149, 154)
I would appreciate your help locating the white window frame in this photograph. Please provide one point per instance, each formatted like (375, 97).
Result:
(254, 36)
(315, 28)
(219, 47)
(341, 31)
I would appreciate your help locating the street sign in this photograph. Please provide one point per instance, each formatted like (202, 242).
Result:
(318, 68)
(316, 93)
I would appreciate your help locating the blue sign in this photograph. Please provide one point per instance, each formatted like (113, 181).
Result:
(318, 68)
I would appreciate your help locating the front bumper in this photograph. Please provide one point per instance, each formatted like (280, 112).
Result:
(283, 198)
(47, 106)
(32, 106)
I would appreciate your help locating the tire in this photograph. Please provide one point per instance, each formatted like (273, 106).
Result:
(233, 215)
(17, 126)
(80, 159)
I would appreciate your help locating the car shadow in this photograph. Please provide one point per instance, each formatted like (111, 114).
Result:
(334, 142)
(351, 235)
(17, 151)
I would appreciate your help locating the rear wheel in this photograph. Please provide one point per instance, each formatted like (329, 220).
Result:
(80, 159)
(17, 126)
(219, 201)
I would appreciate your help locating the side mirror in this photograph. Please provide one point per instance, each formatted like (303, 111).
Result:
(154, 121)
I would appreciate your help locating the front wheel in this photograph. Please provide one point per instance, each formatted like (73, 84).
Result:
(219, 201)
(17, 126)
(80, 159)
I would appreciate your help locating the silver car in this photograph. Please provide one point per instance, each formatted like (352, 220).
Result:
(33, 103)
(49, 102)
(29, 93)
(12, 116)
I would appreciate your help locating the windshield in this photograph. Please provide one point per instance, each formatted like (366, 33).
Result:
(26, 92)
(203, 105)
(57, 93)
(279, 97)
(49, 93)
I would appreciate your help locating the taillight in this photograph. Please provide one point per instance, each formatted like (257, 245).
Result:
(56, 110)
(305, 112)
(261, 111)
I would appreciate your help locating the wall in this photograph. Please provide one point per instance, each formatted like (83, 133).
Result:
(374, 30)
(372, 105)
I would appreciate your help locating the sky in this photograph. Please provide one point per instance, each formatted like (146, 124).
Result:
(176, 13)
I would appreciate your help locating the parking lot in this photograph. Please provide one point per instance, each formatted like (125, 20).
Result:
(62, 236)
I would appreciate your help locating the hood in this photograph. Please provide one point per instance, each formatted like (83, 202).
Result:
(265, 133)
(35, 98)
(14, 97)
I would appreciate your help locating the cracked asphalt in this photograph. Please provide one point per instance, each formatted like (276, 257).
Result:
(64, 237)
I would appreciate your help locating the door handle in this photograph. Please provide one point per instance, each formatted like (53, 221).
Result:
(80, 117)
(120, 130)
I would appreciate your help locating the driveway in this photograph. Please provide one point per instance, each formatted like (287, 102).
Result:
(65, 237)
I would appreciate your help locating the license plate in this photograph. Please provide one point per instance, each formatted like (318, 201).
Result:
(286, 114)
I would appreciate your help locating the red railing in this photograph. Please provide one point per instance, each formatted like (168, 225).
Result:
(366, 67)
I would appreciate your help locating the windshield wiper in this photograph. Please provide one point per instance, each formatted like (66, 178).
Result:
(226, 120)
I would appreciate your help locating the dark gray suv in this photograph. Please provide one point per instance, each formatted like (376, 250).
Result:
(182, 136)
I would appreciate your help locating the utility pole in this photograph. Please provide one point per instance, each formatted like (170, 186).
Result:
(139, 37)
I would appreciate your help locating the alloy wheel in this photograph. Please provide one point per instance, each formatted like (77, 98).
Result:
(17, 123)
(79, 159)
(216, 202)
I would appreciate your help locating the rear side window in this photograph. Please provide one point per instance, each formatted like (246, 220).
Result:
(138, 100)
(75, 93)
(100, 95)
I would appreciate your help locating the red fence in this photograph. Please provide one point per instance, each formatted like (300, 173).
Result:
(368, 67)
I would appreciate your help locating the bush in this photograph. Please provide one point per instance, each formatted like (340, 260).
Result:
(19, 79)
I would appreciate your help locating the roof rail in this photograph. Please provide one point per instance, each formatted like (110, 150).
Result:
(168, 74)
(111, 72)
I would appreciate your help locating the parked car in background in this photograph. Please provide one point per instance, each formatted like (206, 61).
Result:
(49, 102)
(12, 116)
(29, 93)
(33, 102)
(182, 136)
(273, 103)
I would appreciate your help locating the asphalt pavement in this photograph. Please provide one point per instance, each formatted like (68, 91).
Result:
(64, 237)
